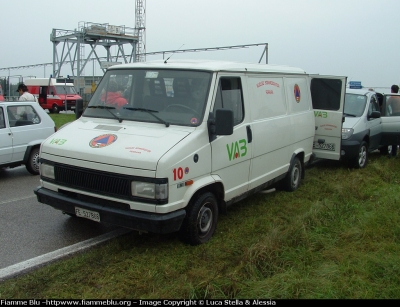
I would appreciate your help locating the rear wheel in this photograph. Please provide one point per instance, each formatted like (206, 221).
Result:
(32, 164)
(201, 220)
(293, 177)
(386, 150)
(55, 109)
(361, 160)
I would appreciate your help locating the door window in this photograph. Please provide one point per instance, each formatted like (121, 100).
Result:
(2, 122)
(230, 96)
(22, 116)
(373, 106)
(326, 93)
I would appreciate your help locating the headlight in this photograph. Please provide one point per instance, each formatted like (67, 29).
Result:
(346, 133)
(149, 190)
(47, 170)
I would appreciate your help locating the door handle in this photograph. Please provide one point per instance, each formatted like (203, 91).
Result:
(249, 134)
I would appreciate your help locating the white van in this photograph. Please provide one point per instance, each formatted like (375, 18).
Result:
(369, 124)
(362, 126)
(190, 139)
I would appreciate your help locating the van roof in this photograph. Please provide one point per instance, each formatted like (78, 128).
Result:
(45, 82)
(211, 66)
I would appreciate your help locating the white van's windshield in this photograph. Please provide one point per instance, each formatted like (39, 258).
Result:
(65, 89)
(354, 105)
(176, 97)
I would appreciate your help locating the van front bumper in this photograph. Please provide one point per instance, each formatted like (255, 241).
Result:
(141, 221)
(349, 149)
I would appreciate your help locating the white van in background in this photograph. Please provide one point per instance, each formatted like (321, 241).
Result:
(362, 126)
(369, 124)
(160, 162)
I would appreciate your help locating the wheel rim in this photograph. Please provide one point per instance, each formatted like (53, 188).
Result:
(362, 156)
(295, 175)
(35, 162)
(204, 220)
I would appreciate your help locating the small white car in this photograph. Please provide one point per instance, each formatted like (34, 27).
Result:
(23, 127)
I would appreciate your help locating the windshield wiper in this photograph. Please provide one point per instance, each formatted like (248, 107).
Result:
(149, 112)
(108, 108)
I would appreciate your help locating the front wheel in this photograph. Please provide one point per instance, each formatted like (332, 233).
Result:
(361, 160)
(32, 164)
(201, 220)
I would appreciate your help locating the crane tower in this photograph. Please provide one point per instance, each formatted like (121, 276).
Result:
(140, 17)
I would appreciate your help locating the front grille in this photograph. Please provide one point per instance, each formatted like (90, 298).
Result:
(93, 181)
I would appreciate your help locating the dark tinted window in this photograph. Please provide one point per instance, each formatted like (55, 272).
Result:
(325, 93)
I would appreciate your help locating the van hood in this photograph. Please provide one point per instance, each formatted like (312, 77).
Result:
(126, 145)
(350, 122)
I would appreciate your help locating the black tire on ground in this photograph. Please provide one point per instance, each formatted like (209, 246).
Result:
(293, 177)
(386, 150)
(201, 220)
(362, 159)
(32, 165)
(55, 109)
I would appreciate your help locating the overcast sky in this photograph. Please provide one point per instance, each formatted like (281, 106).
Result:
(353, 38)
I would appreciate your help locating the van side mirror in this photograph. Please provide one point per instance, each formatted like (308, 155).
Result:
(375, 114)
(223, 122)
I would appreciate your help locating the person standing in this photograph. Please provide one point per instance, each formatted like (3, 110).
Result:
(25, 95)
(394, 103)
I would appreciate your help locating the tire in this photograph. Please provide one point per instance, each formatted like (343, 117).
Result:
(293, 177)
(201, 220)
(55, 109)
(386, 150)
(32, 165)
(362, 159)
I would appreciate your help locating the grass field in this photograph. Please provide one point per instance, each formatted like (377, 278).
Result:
(337, 236)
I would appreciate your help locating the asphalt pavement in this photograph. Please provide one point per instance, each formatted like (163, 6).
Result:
(33, 234)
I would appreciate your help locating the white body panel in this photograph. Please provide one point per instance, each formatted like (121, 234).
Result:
(273, 117)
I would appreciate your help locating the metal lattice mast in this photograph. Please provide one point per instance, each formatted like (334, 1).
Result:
(140, 17)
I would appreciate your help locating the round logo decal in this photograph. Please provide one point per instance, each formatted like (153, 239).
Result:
(103, 140)
(297, 93)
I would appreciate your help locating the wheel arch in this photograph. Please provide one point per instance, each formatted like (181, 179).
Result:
(28, 151)
(215, 188)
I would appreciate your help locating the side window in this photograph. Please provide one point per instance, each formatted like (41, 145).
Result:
(373, 106)
(325, 93)
(230, 96)
(2, 120)
(22, 116)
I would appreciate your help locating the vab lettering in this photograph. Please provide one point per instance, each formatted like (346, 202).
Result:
(321, 114)
(237, 149)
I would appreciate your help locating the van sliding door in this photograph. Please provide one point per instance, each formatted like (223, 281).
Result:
(327, 94)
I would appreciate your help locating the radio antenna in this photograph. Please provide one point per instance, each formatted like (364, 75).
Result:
(165, 62)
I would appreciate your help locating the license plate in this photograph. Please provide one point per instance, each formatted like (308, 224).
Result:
(87, 214)
(324, 146)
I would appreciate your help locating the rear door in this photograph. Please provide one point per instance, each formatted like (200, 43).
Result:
(390, 116)
(5, 138)
(327, 94)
